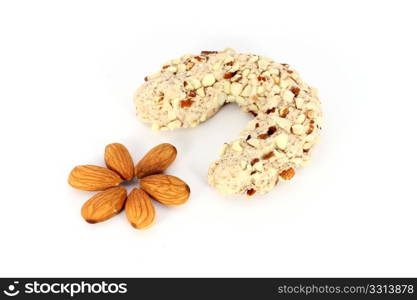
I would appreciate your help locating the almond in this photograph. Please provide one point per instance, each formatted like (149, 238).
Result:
(139, 209)
(167, 189)
(118, 159)
(156, 160)
(104, 205)
(93, 178)
(287, 174)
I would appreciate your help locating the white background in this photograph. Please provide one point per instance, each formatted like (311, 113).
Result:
(68, 70)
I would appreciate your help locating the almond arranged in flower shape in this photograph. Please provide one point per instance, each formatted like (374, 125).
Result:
(140, 210)
(167, 189)
(156, 160)
(104, 205)
(93, 178)
(118, 159)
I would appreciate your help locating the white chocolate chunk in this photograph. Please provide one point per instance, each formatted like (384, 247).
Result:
(196, 83)
(263, 64)
(253, 142)
(174, 124)
(226, 87)
(300, 119)
(201, 92)
(223, 149)
(288, 96)
(281, 141)
(236, 146)
(171, 69)
(209, 80)
(247, 91)
(298, 129)
(236, 89)
(258, 166)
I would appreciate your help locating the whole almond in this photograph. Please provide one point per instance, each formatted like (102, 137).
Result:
(156, 160)
(140, 210)
(93, 178)
(104, 205)
(167, 189)
(118, 159)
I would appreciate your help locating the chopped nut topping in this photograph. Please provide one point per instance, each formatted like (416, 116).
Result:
(254, 58)
(295, 90)
(278, 98)
(307, 146)
(208, 52)
(276, 89)
(209, 80)
(186, 103)
(297, 129)
(226, 87)
(223, 149)
(260, 90)
(171, 69)
(236, 89)
(236, 146)
(299, 103)
(282, 141)
(246, 91)
(196, 83)
(271, 130)
(300, 119)
(310, 114)
(254, 161)
(174, 124)
(189, 66)
(310, 129)
(284, 112)
(181, 68)
(201, 92)
(284, 83)
(250, 192)
(229, 75)
(199, 58)
(146, 78)
(263, 64)
(284, 123)
(268, 155)
(270, 110)
(287, 174)
(253, 142)
(288, 96)
(216, 66)
(258, 166)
